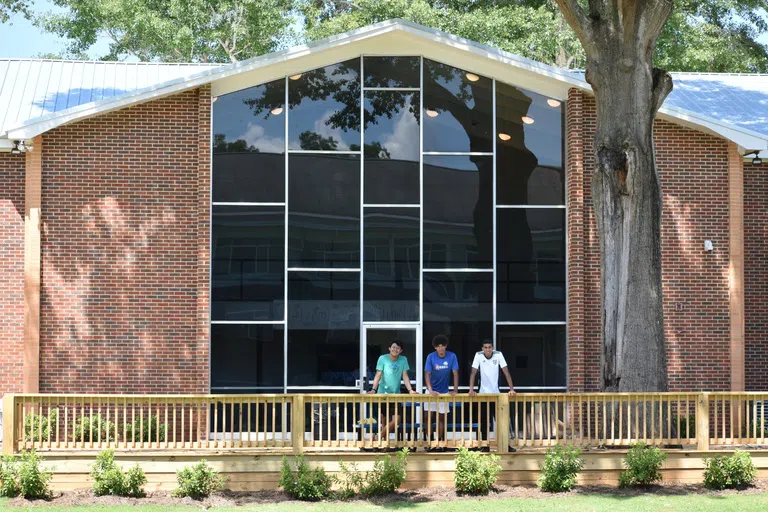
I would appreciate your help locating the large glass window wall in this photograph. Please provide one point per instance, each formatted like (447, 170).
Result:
(385, 197)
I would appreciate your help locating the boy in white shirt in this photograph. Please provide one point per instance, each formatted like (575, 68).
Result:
(488, 362)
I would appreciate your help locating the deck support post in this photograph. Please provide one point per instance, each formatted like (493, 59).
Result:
(10, 435)
(702, 422)
(297, 424)
(502, 423)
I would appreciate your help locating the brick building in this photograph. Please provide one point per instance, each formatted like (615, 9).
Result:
(271, 225)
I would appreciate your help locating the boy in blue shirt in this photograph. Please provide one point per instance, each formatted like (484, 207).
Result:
(438, 368)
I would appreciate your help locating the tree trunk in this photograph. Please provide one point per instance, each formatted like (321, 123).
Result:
(619, 38)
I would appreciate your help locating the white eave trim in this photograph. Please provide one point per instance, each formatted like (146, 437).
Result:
(25, 131)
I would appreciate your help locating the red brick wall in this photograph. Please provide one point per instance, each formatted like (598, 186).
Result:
(694, 177)
(12, 274)
(756, 275)
(125, 204)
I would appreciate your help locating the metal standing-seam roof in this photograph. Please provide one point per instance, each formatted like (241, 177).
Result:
(31, 88)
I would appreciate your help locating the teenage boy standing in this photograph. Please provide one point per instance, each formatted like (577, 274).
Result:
(488, 362)
(390, 369)
(438, 368)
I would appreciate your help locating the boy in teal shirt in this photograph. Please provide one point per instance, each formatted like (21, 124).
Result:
(390, 369)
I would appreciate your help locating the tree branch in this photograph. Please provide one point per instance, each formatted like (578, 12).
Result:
(576, 18)
(662, 86)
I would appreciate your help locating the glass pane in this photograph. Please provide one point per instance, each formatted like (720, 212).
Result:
(324, 211)
(377, 344)
(249, 143)
(530, 271)
(248, 263)
(535, 354)
(323, 328)
(391, 147)
(247, 356)
(391, 279)
(529, 148)
(459, 109)
(325, 107)
(391, 71)
(458, 212)
(460, 306)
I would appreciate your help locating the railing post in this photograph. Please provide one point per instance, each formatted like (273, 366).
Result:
(297, 424)
(702, 422)
(9, 423)
(502, 423)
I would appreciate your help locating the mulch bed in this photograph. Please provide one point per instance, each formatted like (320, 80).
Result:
(231, 498)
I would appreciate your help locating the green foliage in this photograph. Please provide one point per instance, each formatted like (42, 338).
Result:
(351, 480)
(476, 472)
(198, 481)
(87, 430)
(33, 481)
(757, 427)
(146, 430)
(643, 465)
(307, 484)
(39, 426)
(387, 475)
(684, 421)
(729, 472)
(562, 465)
(108, 478)
(171, 31)
(9, 477)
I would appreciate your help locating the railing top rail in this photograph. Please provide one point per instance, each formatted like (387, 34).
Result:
(142, 396)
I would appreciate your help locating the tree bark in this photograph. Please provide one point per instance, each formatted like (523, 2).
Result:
(619, 38)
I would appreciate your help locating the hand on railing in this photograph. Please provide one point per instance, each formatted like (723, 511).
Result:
(512, 392)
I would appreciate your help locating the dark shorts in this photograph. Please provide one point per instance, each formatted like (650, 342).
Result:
(391, 410)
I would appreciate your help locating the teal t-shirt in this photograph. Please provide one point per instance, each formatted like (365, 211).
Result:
(391, 373)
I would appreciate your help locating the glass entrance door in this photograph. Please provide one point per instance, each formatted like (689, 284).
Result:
(376, 341)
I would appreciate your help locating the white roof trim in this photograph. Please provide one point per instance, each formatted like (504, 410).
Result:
(31, 128)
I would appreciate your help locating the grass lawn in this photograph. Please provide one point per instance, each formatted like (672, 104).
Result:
(569, 503)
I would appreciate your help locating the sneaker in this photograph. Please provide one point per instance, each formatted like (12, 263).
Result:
(512, 449)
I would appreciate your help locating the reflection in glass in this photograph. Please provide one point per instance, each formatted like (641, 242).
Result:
(391, 268)
(325, 108)
(377, 344)
(248, 144)
(247, 356)
(248, 260)
(323, 328)
(391, 147)
(535, 354)
(529, 156)
(458, 212)
(391, 71)
(460, 306)
(459, 110)
(324, 211)
(530, 270)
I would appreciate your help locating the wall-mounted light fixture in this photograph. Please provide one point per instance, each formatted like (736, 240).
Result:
(756, 160)
(553, 103)
(295, 77)
(472, 77)
(504, 136)
(276, 111)
(432, 113)
(19, 147)
(527, 120)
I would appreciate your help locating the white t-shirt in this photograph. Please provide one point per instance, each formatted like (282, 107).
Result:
(489, 370)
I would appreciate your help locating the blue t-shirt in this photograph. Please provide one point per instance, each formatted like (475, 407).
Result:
(441, 370)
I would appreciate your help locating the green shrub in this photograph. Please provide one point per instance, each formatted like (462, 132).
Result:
(143, 432)
(643, 465)
(198, 481)
(684, 421)
(39, 426)
(85, 428)
(9, 477)
(307, 484)
(475, 472)
(756, 426)
(108, 478)
(728, 472)
(562, 465)
(352, 480)
(387, 475)
(33, 481)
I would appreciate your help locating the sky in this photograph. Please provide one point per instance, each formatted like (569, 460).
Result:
(19, 38)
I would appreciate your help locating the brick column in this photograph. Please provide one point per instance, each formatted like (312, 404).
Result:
(204, 239)
(575, 226)
(736, 263)
(32, 206)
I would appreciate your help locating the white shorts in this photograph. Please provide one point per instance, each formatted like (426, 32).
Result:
(440, 407)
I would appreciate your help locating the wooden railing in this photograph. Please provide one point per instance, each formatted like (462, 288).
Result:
(337, 422)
